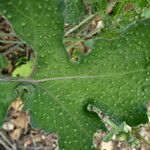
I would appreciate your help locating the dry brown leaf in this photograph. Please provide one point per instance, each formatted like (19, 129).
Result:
(17, 133)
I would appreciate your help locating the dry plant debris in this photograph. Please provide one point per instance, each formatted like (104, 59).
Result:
(17, 133)
(121, 137)
(110, 6)
(79, 39)
(12, 48)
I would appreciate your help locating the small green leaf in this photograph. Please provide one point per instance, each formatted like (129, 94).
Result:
(108, 137)
(146, 13)
(24, 70)
(7, 95)
(3, 62)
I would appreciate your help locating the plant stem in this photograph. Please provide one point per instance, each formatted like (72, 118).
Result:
(12, 42)
(80, 24)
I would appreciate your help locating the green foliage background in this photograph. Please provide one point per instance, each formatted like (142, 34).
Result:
(114, 77)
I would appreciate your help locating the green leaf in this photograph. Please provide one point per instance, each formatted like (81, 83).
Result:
(75, 11)
(23, 70)
(116, 74)
(3, 62)
(108, 137)
(7, 95)
(146, 13)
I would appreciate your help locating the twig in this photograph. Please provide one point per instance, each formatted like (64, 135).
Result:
(12, 42)
(4, 145)
(8, 142)
(6, 34)
(80, 24)
(138, 136)
(11, 49)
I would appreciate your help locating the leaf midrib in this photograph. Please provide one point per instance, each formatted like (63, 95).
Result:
(74, 77)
